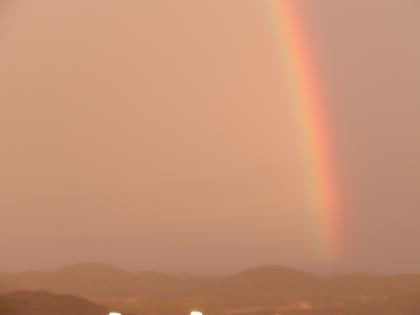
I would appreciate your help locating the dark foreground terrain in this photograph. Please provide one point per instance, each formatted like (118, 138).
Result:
(266, 290)
(43, 303)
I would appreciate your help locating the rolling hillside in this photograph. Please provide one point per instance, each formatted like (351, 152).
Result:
(273, 288)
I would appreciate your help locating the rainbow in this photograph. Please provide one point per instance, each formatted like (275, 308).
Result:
(309, 109)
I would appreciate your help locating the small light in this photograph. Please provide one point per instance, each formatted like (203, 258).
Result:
(115, 313)
(196, 313)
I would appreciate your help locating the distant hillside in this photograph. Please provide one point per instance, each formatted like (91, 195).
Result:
(268, 285)
(42, 303)
(271, 286)
(98, 281)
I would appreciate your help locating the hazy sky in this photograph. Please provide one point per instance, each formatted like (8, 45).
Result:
(155, 134)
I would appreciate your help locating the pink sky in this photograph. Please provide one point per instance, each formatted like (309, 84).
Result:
(155, 135)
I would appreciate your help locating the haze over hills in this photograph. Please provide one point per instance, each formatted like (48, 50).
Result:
(103, 281)
(247, 292)
(100, 280)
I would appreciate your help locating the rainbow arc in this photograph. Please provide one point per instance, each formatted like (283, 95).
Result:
(309, 105)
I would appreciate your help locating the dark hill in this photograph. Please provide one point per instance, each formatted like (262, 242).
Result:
(42, 303)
